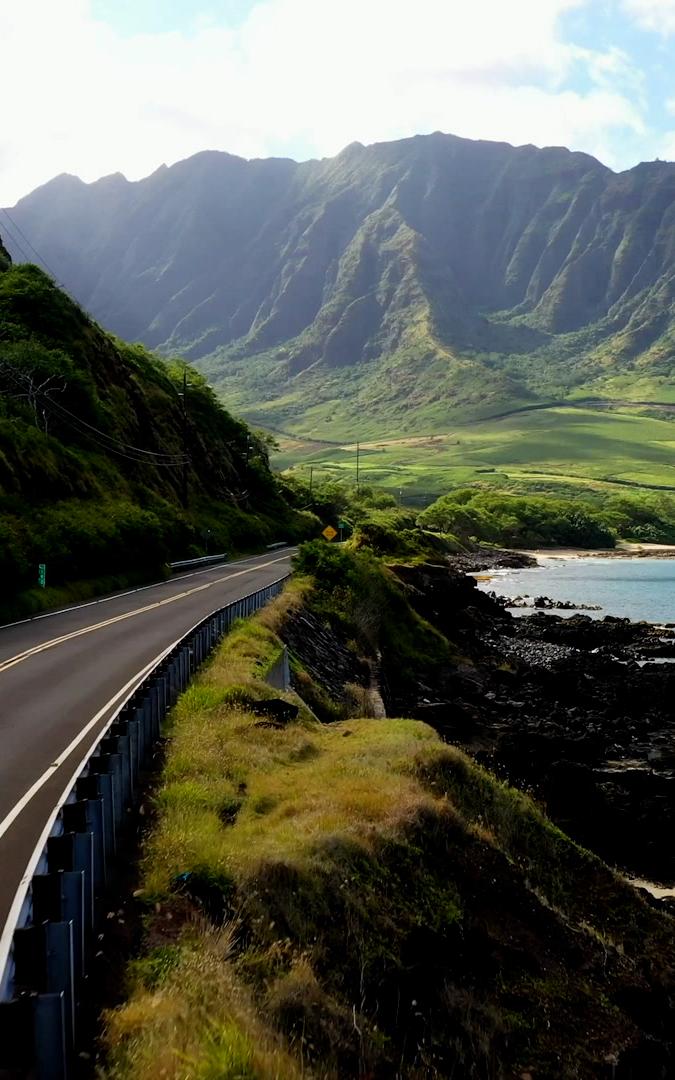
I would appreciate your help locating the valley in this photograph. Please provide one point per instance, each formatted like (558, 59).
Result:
(562, 448)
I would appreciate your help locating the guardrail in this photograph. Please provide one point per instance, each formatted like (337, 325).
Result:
(203, 560)
(47, 944)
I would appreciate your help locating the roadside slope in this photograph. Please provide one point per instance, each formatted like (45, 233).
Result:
(112, 461)
(357, 898)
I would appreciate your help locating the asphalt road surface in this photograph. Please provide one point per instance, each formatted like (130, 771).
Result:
(64, 674)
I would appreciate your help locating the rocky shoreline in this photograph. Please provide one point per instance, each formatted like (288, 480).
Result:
(541, 602)
(576, 710)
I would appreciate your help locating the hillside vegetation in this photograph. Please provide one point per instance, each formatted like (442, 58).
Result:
(481, 514)
(104, 475)
(395, 289)
(485, 513)
(359, 899)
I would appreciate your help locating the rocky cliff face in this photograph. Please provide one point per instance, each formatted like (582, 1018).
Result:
(470, 273)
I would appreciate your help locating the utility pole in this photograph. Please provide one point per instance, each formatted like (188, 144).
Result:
(311, 479)
(358, 455)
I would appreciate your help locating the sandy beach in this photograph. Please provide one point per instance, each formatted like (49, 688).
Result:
(621, 551)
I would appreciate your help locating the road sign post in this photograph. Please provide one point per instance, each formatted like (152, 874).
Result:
(42, 574)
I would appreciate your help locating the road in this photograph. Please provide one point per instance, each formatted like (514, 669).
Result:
(62, 676)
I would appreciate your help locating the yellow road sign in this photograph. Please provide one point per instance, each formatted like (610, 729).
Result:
(329, 532)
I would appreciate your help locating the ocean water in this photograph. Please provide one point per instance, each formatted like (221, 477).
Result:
(631, 588)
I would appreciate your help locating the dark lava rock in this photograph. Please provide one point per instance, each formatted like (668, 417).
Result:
(560, 707)
(474, 562)
(324, 653)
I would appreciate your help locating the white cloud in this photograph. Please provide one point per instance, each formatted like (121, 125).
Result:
(657, 15)
(305, 76)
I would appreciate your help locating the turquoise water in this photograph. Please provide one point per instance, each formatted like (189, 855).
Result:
(630, 588)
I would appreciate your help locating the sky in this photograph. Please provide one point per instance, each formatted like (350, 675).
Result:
(92, 87)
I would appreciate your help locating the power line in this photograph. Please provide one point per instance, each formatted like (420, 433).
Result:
(137, 454)
(18, 244)
(107, 443)
(23, 235)
(17, 376)
(172, 458)
(101, 438)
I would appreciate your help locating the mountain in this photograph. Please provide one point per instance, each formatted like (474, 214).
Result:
(413, 283)
(106, 470)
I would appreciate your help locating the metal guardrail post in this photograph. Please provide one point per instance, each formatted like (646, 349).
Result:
(98, 784)
(16, 1034)
(43, 958)
(74, 851)
(156, 707)
(134, 755)
(110, 765)
(153, 723)
(163, 700)
(86, 815)
(145, 721)
(118, 745)
(150, 711)
(136, 734)
(49, 1037)
(61, 971)
(59, 897)
(172, 682)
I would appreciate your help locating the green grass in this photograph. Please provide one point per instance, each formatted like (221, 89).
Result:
(360, 899)
(562, 445)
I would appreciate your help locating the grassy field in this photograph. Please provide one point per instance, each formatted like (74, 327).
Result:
(560, 447)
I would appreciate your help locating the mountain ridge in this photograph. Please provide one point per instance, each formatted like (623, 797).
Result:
(431, 278)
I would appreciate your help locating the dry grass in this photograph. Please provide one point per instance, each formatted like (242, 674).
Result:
(289, 601)
(199, 1022)
(291, 786)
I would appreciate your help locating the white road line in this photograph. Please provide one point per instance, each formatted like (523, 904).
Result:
(123, 696)
(49, 772)
(36, 649)
(129, 592)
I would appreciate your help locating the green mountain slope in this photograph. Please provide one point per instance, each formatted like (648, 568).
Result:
(103, 476)
(414, 283)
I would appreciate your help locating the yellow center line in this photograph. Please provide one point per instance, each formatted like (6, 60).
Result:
(28, 653)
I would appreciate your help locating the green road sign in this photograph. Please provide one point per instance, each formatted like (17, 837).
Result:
(42, 574)
(343, 524)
